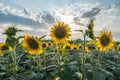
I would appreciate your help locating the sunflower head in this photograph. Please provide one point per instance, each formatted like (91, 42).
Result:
(87, 49)
(91, 23)
(79, 46)
(44, 44)
(67, 47)
(91, 45)
(90, 31)
(49, 43)
(31, 44)
(4, 47)
(105, 40)
(60, 32)
(11, 31)
(75, 47)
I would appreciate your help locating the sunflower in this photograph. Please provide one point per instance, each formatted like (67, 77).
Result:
(32, 45)
(87, 49)
(11, 31)
(49, 43)
(91, 25)
(79, 46)
(91, 45)
(75, 47)
(118, 48)
(90, 31)
(67, 47)
(60, 32)
(105, 40)
(4, 47)
(44, 44)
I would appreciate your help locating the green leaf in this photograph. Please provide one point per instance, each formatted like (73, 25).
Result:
(49, 68)
(79, 30)
(2, 68)
(96, 75)
(2, 73)
(20, 37)
(42, 37)
(11, 41)
(35, 76)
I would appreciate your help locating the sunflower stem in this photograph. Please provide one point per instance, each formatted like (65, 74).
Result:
(83, 57)
(59, 61)
(116, 51)
(38, 62)
(99, 57)
(15, 62)
(44, 63)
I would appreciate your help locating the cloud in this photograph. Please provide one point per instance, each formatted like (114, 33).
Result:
(35, 23)
(95, 11)
(77, 15)
(25, 17)
(25, 13)
(1, 5)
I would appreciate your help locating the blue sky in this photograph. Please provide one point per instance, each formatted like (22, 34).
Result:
(36, 16)
(46, 4)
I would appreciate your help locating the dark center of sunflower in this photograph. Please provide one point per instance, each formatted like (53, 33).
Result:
(67, 47)
(80, 47)
(32, 44)
(5, 48)
(60, 32)
(75, 48)
(105, 40)
(43, 45)
(49, 44)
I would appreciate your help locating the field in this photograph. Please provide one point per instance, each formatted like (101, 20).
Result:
(29, 57)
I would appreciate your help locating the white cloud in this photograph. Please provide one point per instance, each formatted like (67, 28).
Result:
(78, 15)
(108, 18)
(25, 28)
(1, 5)
(72, 14)
(25, 13)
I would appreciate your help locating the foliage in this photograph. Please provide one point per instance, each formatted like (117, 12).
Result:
(51, 65)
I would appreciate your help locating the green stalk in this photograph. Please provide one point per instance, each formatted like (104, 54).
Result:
(83, 56)
(83, 50)
(15, 62)
(59, 61)
(116, 51)
(99, 57)
(44, 62)
(38, 62)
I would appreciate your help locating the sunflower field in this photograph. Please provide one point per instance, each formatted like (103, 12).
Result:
(29, 57)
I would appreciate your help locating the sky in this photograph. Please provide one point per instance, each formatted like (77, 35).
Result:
(36, 17)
